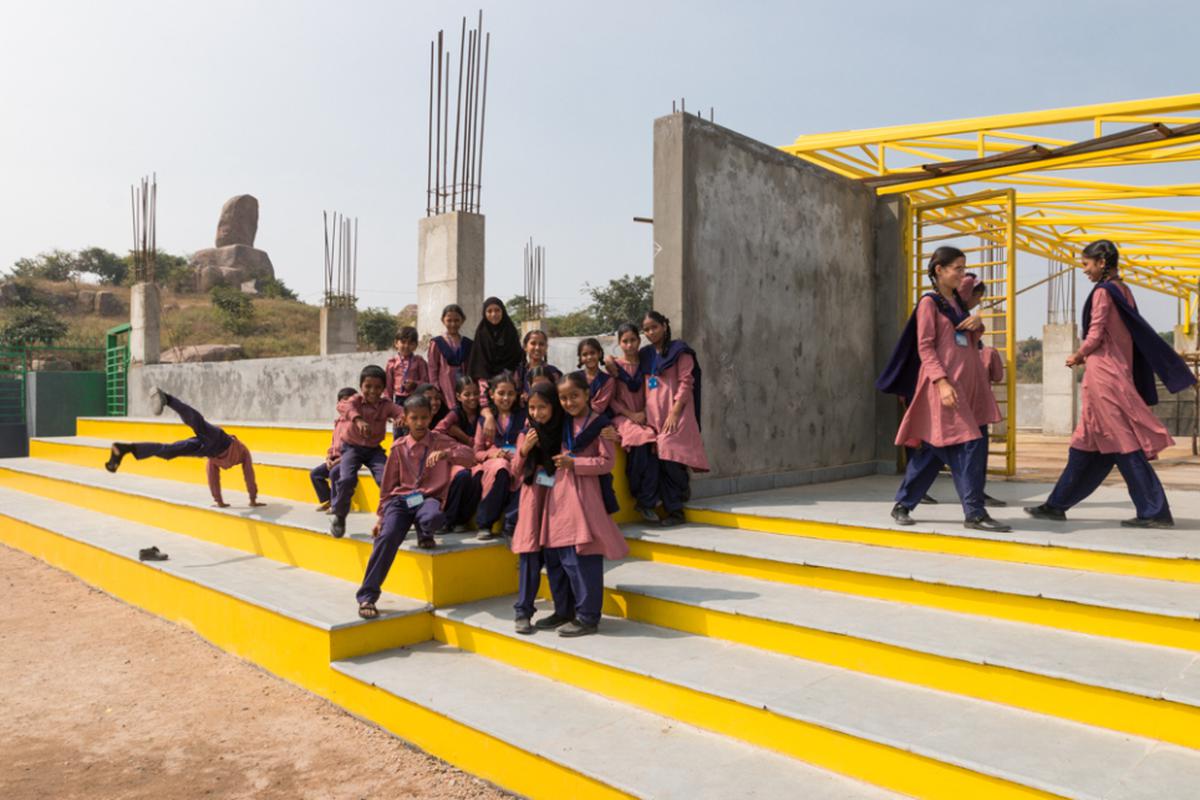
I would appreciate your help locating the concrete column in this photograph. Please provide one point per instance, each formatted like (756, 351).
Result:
(450, 249)
(1185, 342)
(339, 330)
(531, 325)
(1060, 391)
(144, 318)
(672, 187)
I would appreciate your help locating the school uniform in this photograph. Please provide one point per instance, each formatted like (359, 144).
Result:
(494, 475)
(401, 371)
(360, 449)
(638, 439)
(667, 380)
(411, 493)
(320, 475)
(222, 450)
(522, 374)
(526, 543)
(577, 533)
(446, 361)
(601, 390)
(1116, 426)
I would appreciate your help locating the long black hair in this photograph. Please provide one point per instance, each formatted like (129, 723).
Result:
(944, 256)
(1105, 251)
(494, 383)
(666, 323)
(549, 434)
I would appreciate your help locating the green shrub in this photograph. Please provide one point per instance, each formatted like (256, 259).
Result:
(377, 328)
(276, 289)
(29, 325)
(235, 310)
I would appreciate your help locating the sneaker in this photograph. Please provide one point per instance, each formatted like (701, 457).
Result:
(928, 501)
(577, 628)
(901, 516)
(673, 519)
(158, 401)
(551, 622)
(117, 452)
(487, 535)
(523, 626)
(1046, 512)
(462, 527)
(338, 527)
(324, 506)
(993, 502)
(648, 515)
(1157, 522)
(986, 523)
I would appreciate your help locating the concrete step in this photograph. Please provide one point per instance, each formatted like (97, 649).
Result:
(1158, 612)
(297, 438)
(543, 738)
(906, 738)
(290, 621)
(1135, 688)
(858, 510)
(461, 568)
(280, 475)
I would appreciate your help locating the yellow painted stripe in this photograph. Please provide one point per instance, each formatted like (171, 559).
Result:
(890, 767)
(288, 483)
(291, 649)
(1113, 623)
(488, 571)
(1171, 569)
(1107, 708)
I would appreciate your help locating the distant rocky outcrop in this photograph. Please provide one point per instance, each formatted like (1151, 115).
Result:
(202, 352)
(234, 261)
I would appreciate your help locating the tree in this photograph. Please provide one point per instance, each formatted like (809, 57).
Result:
(277, 289)
(57, 265)
(30, 325)
(377, 328)
(575, 323)
(107, 266)
(1029, 361)
(170, 271)
(518, 309)
(624, 299)
(234, 310)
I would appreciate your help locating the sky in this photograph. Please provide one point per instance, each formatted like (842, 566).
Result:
(322, 106)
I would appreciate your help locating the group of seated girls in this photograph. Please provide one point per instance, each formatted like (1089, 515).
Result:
(522, 450)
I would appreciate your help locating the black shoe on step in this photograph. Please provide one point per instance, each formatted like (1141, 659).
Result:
(648, 515)
(901, 516)
(577, 628)
(1046, 512)
(673, 519)
(337, 528)
(993, 502)
(986, 523)
(928, 501)
(1156, 522)
(152, 554)
(523, 626)
(551, 622)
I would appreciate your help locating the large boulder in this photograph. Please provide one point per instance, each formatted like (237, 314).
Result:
(239, 221)
(231, 265)
(108, 304)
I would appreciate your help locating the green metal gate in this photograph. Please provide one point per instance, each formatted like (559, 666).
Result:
(12, 387)
(116, 370)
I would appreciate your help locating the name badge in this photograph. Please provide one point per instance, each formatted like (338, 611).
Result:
(653, 382)
(508, 448)
(414, 500)
(543, 478)
(960, 339)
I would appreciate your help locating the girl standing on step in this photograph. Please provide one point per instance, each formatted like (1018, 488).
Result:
(497, 349)
(936, 363)
(495, 453)
(672, 387)
(628, 408)
(449, 353)
(1116, 426)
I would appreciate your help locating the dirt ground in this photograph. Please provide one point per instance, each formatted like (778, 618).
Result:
(1041, 458)
(100, 700)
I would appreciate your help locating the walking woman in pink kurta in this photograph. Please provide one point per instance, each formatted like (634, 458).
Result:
(950, 399)
(1122, 354)
(672, 386)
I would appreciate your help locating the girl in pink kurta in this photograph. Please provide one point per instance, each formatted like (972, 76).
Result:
(1116, 426)
(672, 388)
(951, 400)
(601, 386)
(628, 410)
(577, 533)
(448, 353)
(494, 453)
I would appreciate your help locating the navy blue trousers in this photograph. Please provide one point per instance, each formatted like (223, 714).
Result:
(397, 519)
(529, 579)
(968, 468)
(934, 465)
(576, 583)
(461, 498)
(209, 440)
(495, 502)
(1086, 470)
(320, 476)
(641, 468)
(354, 457)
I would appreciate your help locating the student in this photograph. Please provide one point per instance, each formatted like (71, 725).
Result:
(577, 533)
(367, 414)
(461, 422)
(1116, 426)
(415, 484)
(936, 364)
(628, 407)
(546, 375)
(222, 450)
(535, 469)
(319, 475)
(497, 349)
(494, 454)
(672, 386)
(436, 401)
(535, 345)
(600, 384)
(405, 370)
(971, 292)
(449, 353)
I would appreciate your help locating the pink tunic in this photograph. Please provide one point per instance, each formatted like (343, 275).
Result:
(402, 371)
(683, 445)
(574, 513)
(449, 421)
(375, 414)
(1114, 418)
(530, 508)
(601, 400)
(993, 364)
(405, 474)
(442, 374)
(927, 420)
(339, 436)
(625, 400)
(488, 464)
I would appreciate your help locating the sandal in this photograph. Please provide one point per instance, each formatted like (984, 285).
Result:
(426, 543)
(367, 610)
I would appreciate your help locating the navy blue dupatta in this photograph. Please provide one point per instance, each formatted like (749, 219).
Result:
(900, 375)
(651, 364)
(573, 443)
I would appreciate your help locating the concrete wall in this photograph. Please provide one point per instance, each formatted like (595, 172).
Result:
(768, 268)
(1029, 406)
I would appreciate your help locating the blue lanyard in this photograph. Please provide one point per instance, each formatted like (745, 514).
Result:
(570, 431)
(421, 469)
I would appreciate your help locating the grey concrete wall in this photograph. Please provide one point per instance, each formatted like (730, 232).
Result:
(1060, 389)
(768, 268)
(1029, 406)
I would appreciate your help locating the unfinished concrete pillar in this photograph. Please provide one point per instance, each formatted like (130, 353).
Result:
(145, 310)
(339, 330)
(1060, 391)
(450, 249)
(1187, 342)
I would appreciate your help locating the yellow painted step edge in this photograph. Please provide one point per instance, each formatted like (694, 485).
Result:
(1170, 569)
(1091, 705)
(882, 765)
(264, 438)
(1096, 620)
(443, 579)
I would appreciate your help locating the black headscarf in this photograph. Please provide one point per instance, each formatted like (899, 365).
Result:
(496, 347)
(549, 434)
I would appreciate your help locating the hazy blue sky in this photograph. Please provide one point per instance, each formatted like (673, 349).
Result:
(313, 106)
